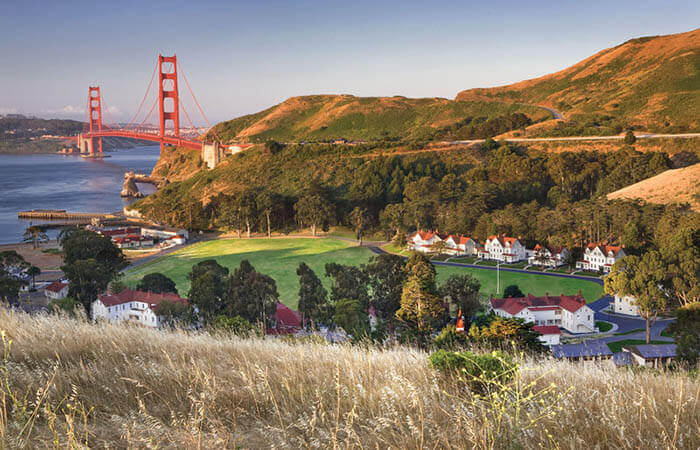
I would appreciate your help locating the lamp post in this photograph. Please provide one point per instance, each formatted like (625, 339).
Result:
(498, 277)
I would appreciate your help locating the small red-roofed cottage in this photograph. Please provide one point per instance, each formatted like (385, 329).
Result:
(569, 312)
(503, 248)
(549, 334)
(132, 306)
(597, 257)
(56, 290)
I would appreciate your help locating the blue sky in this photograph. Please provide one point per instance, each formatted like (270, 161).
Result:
(244, 56)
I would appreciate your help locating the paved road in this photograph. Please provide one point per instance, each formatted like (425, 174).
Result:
(583, 138)
(557, 115)
(379, 251)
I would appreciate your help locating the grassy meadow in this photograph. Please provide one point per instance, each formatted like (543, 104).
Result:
(67, 383)
(279, 258)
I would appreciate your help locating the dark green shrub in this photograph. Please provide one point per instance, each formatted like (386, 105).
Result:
(450, 339)
(478, 371)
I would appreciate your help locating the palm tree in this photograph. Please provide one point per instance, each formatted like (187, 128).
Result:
(35, 235)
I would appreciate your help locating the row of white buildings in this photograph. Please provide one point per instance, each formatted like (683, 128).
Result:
(596, 257)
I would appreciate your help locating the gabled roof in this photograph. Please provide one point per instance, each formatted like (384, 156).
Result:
(514, 305)
(554, 250)
(605, 249)
(503, 239)
(546, 329)
(286, 317)
(56, 286)
(129, 295)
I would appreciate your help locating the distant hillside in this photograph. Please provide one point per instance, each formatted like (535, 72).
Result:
(652, 83)
(328, 117)
(671, 186)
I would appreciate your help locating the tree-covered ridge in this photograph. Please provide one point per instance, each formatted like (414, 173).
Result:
(329, 117)
(19, 127)
(555, 198)
(649, 83)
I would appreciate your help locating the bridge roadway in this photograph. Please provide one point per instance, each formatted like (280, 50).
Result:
(172, 140)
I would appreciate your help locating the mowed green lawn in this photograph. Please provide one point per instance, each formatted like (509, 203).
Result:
(528, 283)
(279, 258)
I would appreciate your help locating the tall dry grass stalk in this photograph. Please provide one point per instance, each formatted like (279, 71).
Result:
(72, 384)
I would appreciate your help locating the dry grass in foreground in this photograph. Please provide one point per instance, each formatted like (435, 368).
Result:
(67, 383)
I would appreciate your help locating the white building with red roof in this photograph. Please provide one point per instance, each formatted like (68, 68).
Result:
(597, 257)
(461, 245)
(423, 241)
(548, 256)
(455, 244)
(132, 306)
(133, 240)
(569, 312)
(56, 290)
(503, 248)
(549, 334)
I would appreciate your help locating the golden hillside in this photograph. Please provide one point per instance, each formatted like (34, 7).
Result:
(328, 117)
(671, 186)
(651, 83)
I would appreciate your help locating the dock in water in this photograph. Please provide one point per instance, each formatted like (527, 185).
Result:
(62, 214)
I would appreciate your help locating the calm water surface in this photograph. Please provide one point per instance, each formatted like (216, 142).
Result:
(66, 182)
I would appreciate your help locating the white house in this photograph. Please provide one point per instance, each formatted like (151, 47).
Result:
(132, 306)
(625, 304)
(56, 290)
(548, 256)
(504, 249)
(423, 241)
(549, 334)
(461, 245)
(597, 257)
(565, 311)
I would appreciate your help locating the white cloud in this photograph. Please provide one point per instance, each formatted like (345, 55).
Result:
(8, 110)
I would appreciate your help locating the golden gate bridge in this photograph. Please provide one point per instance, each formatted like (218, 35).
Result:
(169, 106)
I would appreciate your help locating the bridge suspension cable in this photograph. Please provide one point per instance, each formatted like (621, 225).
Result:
(145, 95)
(189, 88)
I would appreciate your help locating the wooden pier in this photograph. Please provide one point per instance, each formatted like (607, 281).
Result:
(62, 214)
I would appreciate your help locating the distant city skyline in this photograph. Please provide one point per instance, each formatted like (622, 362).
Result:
(241, 57)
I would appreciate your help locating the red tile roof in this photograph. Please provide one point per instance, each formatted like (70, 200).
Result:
(516, 304)
(287, 317)
(56, 286)
(546, 329)
(552, 249)
(503, 239)
(129, 295)
(615, 249)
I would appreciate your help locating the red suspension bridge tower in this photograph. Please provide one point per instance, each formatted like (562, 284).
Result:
(168, 102)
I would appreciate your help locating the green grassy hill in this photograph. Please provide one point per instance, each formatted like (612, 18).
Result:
(652, 83)
(328, 117)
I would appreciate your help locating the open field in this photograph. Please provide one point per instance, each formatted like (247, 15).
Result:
(671, 186)
(110, 386)
(279, 258)
(49, 260)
